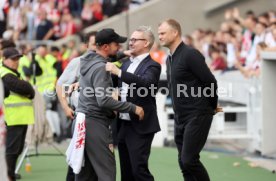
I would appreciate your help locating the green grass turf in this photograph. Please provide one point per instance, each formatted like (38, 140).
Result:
(163, 165)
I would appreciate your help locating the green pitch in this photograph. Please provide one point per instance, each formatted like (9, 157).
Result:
(163, 165)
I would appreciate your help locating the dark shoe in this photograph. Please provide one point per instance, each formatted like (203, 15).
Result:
(17, 176)
(57, 138)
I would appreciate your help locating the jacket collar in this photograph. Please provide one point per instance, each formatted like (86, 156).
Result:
(15, 71)
(147, 58)
(178, 48)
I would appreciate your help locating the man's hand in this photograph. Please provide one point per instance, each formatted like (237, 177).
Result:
(140, 112)
(128, 53)
(69, 112)
(73, 87)
(115, 94)
(110, 67)
(218, 109)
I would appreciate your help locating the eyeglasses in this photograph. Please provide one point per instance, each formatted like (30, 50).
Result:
(133, 40)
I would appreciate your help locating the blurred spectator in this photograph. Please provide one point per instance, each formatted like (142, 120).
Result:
(253, 69)
(62, 4)
(272, 16)
(45, 30)
(30, 16)
(55, 52)
(5, 44)
(108, 7)
(69, 27)
(217, 61)
(97, 11)
(248, 36)
(197, 37)
(261, 36)
(87, 14)
(66, 53)
(16, 19)
(25, 60)
(207, 40)
(121, 5)
(273, 32)
(264, 18)
(3, 16)
(75, 6)
(230, 49)
(157, 54)
(188, 40)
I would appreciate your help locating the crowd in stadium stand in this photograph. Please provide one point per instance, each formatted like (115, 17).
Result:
(238, 42)
(55, 19)
(236, 45)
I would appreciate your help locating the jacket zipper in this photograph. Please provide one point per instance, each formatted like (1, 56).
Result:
(172, 97)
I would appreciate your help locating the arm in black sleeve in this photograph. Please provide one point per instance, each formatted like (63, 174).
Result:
(28, 71)
(196, 63)
(120, 55)
(58, 67)
(114, 80)
(101, 82)
(151, 76)
(18, 86)
(6, 91)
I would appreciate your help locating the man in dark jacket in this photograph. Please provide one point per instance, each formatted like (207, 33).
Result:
(194, 99)
(140, 72)
(96, 102)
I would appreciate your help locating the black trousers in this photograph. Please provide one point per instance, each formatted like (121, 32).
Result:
(98, 153)
(70, 175)
(134, 151)
(190, 136)
(15, 140)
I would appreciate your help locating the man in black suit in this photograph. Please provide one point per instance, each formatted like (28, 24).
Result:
(138, 79)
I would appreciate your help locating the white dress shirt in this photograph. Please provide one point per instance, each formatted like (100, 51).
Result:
(135, 62)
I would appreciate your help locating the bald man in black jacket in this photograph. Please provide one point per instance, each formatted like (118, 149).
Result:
(194, 99)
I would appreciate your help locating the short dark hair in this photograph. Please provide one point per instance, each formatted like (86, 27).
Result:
(7, 44)
(250, 13)
(263, 24)
(254, 19)
(265, 15)
(88, 35)
(54, 49)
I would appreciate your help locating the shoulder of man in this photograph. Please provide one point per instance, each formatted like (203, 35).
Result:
(152, 62)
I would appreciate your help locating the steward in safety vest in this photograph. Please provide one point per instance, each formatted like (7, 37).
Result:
(46, 81)
(18, 107)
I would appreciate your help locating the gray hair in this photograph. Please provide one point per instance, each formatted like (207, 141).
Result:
(148, 33)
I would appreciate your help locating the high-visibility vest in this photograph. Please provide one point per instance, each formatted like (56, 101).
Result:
(66, 54)
(18, 110)
(23, 62)
(46, 82)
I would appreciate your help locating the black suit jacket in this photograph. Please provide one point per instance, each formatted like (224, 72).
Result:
(146, 74)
